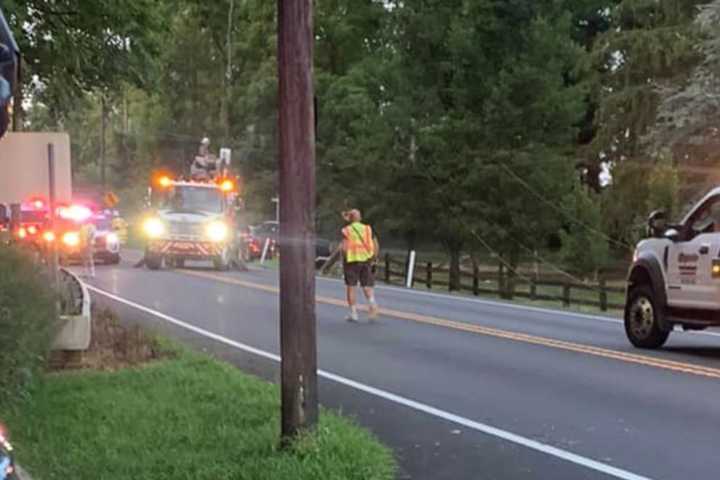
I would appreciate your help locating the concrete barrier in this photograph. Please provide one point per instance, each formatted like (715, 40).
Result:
(75, 332)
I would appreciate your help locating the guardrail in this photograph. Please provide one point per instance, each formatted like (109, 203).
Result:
(600, 294)
(75, 313)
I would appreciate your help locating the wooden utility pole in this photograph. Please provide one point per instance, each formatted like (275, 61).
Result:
(297, 217)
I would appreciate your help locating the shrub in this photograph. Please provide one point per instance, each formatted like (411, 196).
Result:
(27, 322)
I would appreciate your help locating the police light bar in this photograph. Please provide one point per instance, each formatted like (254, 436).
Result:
(77, 213)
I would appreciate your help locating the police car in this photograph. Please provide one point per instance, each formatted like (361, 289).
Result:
(675, 276)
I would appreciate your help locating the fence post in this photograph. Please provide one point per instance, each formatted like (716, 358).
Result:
(533, 289)
(428, 279)
(501, 281)
(603, 295)
(476, 279)
(387, 268)
(566, 294)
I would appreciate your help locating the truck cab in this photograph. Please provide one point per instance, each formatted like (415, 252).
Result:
(191, 220)
(674, 279)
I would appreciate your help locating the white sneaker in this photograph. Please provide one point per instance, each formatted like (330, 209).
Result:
(352, 318)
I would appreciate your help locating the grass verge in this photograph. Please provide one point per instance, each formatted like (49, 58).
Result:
(184, 417)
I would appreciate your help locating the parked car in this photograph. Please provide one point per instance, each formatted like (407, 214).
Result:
(258, 234)
(255, 239)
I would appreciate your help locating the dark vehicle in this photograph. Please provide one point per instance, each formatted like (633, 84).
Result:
(271, 230)
(257, 236)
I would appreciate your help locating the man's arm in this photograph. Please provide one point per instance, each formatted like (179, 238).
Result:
(333, 259)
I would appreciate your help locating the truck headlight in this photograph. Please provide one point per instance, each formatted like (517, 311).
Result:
(153, 227)
(217, 231)
(71, 239)
(111, 238)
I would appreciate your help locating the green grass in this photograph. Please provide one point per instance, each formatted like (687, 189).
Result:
(189, 417)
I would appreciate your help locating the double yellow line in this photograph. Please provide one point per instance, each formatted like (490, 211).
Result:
(649, 361)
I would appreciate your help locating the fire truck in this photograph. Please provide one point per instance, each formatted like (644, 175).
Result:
(191, 219)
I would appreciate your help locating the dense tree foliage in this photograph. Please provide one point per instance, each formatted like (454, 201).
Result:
(454, 121)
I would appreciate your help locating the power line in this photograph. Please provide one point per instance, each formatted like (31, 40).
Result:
(562, 211)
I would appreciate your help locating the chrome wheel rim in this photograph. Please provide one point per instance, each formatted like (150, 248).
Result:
(642, 317)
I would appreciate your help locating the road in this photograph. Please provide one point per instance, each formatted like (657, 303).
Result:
(463, 388)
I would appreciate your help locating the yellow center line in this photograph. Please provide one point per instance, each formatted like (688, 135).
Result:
(671, 365)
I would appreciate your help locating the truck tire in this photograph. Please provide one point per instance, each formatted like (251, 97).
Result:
(642, 319)
(153, 262)
(114, 259)
(222, 261)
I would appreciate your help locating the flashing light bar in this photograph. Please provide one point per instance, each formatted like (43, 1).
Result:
(78, 213)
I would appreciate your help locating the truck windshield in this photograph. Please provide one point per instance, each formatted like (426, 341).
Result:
(194, 199)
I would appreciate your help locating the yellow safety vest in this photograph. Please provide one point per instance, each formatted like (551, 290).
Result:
(358, 243)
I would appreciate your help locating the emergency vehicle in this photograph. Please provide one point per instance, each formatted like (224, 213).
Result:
(191, 220)
(7, 464)
(674, 279)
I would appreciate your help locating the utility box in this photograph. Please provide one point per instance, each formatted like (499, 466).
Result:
(24, 167)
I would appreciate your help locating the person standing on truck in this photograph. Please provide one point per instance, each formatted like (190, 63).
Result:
(360, 249)
(87, 243)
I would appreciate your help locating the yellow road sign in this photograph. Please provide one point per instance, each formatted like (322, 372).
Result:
(111, 199)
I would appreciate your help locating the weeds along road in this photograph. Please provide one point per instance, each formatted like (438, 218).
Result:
(463, 388)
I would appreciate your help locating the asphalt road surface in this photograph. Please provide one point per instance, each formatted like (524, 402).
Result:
(463, 388)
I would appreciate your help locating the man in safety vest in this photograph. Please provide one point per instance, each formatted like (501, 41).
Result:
(87, 245)
(360, 249)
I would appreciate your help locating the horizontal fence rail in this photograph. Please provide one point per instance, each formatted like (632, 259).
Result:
(534, 288)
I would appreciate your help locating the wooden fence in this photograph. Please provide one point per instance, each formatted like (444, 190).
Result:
(478, 282)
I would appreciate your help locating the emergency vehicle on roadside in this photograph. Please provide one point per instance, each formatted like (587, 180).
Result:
(106, 244)
(191, 220)
(674, 279)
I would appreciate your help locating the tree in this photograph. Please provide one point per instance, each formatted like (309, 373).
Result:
(490, 96)
(71, 47)
(584, 246)
(649, 45)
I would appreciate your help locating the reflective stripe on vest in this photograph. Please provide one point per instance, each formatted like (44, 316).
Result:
(358, 243)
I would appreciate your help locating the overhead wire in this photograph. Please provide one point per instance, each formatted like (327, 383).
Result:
(561, 210)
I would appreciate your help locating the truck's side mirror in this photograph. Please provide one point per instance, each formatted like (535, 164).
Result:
(657, 224)
(672, 234)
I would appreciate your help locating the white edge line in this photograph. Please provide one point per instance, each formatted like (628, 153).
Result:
(421, 407)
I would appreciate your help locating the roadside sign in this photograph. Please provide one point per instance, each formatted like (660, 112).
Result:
(111, 199)
(225, 156)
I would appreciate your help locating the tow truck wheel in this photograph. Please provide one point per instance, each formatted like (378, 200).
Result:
(114, 259)
(153, 262)
(642, 319)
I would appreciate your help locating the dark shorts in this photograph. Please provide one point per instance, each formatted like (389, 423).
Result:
(359, 271)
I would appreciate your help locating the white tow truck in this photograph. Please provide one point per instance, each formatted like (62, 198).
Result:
(674, 279)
